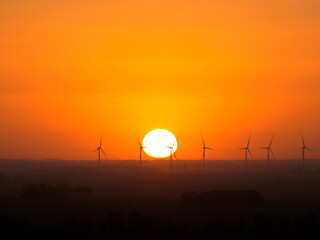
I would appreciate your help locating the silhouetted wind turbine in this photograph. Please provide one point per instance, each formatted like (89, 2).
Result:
(246, 153)
(99, 148)
(303, 150)
(140, 148)
(172, 153)
(204, 147)
(269, 150)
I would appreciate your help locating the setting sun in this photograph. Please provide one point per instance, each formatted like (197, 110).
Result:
(157, 143)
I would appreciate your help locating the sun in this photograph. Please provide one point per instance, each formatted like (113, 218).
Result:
(157, 141)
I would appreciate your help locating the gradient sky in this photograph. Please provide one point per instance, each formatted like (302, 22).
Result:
(72, 70)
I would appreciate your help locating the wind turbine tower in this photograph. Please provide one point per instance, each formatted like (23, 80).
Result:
(99, 149)
(140, 151)
(303, 151)
(172, 153)
(204, 148)
(269, 150)
(247, 149)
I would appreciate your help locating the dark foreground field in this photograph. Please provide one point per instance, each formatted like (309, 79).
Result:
(55, 199)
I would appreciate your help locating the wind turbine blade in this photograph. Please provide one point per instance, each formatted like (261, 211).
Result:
(104, 154)
(203, 141)
(138, 141)
(309, 149)
(175, 141)
(274, 157)
(302, 140)
(249, 140)
(271, 141)
(175, 156)
(209, 148)
(250, 153)
(100, 140)
(96, 150)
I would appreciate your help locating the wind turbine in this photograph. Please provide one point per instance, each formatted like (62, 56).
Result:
(99, 148)
(204, 147)
(246, 153)
(172, 153)
(303, 150)
(269, 150)
(140, 148)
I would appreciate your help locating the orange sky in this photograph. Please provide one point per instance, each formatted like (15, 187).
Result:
(70, 70)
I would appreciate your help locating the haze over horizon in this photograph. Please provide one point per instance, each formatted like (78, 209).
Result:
(73, 70)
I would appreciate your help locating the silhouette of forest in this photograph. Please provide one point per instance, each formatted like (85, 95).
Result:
(56, 199)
